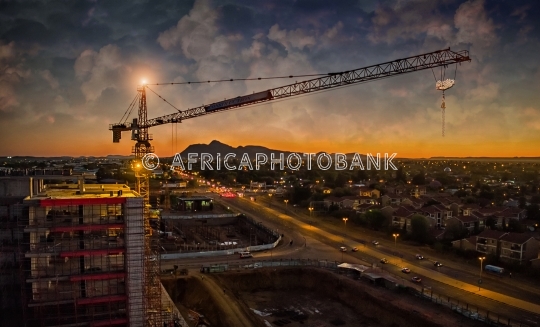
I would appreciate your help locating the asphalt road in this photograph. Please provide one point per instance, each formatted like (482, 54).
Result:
(310, 242)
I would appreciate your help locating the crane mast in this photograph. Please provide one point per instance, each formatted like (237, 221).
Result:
(139, 132)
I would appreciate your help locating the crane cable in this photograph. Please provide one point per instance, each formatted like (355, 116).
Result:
(242, 79)
(170, 104)
(129, 109)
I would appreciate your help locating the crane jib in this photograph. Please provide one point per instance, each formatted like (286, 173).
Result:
(265, 95)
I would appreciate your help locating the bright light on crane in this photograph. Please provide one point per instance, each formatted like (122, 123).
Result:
(144, 81)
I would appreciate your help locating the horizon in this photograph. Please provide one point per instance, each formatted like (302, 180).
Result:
(270, 149)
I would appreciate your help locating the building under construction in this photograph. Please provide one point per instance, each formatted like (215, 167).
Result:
(87, 258)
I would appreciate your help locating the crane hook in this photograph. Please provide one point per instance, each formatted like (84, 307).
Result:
(443, 105)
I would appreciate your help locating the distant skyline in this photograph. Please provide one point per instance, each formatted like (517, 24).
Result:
(69, 69)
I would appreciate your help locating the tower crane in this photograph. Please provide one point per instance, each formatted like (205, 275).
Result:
(139, 126)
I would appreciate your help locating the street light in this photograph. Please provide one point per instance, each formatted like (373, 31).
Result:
(345, 220)
(395, 239)
(310, 210)
(481, 266)
(270, 195)
(481, 262)
(286, 201)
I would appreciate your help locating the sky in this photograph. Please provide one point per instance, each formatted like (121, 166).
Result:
(68, 69)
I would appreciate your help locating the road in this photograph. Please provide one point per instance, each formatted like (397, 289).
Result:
(323, 241)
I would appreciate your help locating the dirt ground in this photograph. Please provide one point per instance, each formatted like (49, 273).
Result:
(294, 297)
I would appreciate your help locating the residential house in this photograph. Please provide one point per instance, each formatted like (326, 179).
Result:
(333, 201)
(365, 207)
(435, 213)
(401, 218)
(469, 223)
(417, 203)
(418, 191)
(465, 209)
(517, 247)
(400, 189)
(466, 244)
(515, 213)
(487, 242)
(392, 199)
(373, 193)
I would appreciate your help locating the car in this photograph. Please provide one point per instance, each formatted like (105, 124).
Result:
(343, 249)
(437, 264)
(244, 255)
(416, 279)
(375, 242)
(419, 257)
(406, 270)
(384, 260)
(354, 249)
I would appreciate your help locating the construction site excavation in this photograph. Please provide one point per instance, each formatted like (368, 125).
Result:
(216, 235)
(295, 297)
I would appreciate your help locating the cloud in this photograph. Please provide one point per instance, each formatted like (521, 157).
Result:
(475, 27)
(47, 76)
(298, 38)
(12, 73)
(194, 34)
(101, 70)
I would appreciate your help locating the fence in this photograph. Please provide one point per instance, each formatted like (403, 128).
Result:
(468, 310)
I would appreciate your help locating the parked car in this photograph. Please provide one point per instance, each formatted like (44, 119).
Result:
(406, 270)
(416, 279)
(437, 264)
(375, 242)
(419, 257)
(384, 260)
(354, 249)
(343, 249)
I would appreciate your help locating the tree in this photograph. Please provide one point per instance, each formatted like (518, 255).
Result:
(375, 219)
(419, 179)
(533, 212)
(515, 226)
(461, 193)
(419, 229)
(491, 222)
(401, 176)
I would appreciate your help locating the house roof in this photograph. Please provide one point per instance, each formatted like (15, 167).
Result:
(472, 206)
(333, 199)
(394, 196)
(491, 233)
(416, 200)
(490, 210)
(430, 209)
(366, 189)
(449, 200)
(466, 219)
(402, 212)
(366, 205)
(518, 238)
(471, 240)
(437, 233)
(514, 210)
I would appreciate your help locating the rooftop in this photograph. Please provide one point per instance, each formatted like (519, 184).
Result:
(89, 191)
(517, 238)
(491, 233)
